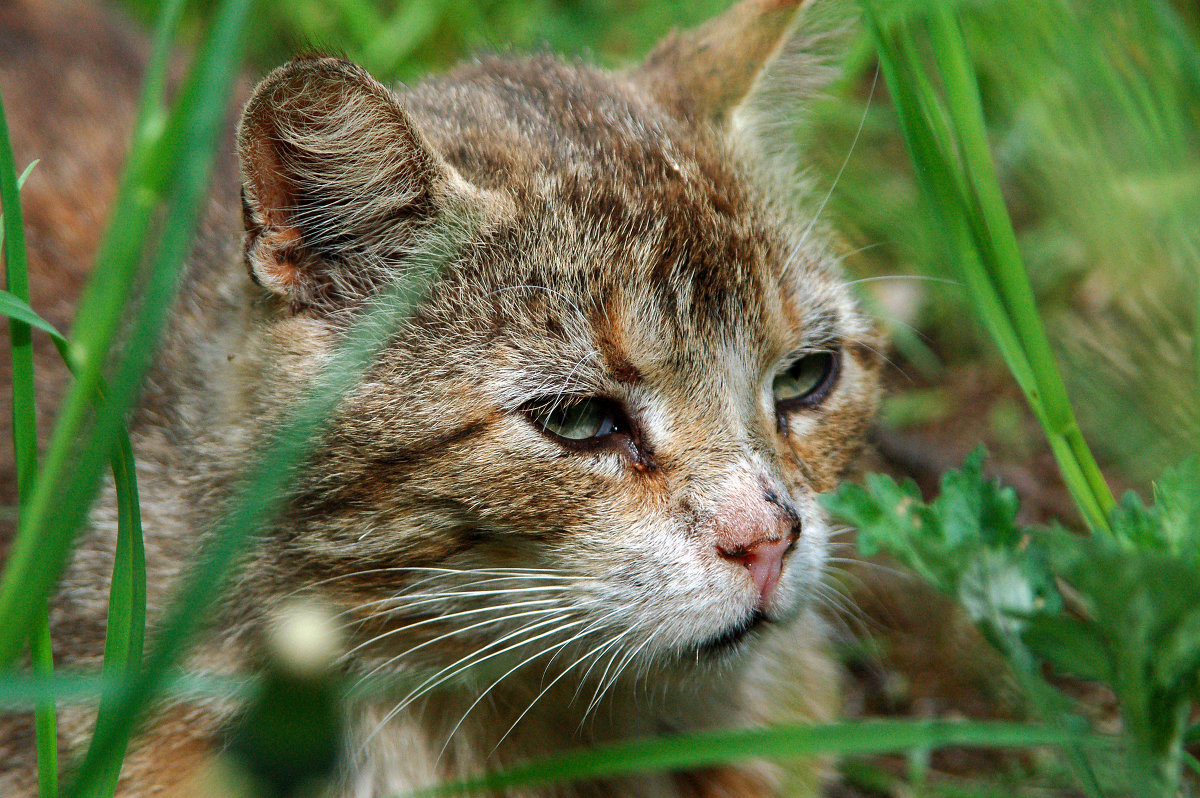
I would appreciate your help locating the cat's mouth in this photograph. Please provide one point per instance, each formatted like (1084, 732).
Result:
(732, 637)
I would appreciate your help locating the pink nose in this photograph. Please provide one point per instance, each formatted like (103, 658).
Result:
(763, 559)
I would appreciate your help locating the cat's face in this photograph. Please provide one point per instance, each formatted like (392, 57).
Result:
(606, 428)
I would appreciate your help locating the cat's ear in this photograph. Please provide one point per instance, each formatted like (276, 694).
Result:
(336, 183)
(754, 53)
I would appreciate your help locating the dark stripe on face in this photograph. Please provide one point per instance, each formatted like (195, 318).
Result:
(376, 475)
(404, 457)
(610, 340)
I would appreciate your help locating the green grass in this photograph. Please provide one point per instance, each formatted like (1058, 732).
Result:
(167, 175)
(1130, 603)
(947, 141)
(24, 426)
(1101, 160)
(783, 742)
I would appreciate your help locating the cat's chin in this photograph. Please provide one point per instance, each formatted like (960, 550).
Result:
(732, 639)
(738, 636)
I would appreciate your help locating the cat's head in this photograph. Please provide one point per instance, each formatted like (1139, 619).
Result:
(608, 422)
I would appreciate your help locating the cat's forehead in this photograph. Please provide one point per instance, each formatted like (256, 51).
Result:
(631, 233)
(675, 258)
(591, 289)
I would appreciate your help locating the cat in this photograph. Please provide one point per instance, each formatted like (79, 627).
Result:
(589, 461)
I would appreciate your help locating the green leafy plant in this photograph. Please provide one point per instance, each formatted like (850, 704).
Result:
(1122, 609)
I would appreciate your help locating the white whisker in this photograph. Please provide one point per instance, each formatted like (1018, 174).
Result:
(545, 689)
(471, 660)
(838, 179)
(444, 618)
(926, 277)
(490, 622)
(556, 647)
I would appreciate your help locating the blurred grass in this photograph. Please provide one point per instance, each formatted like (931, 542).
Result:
(24, 427)
(946, 139)
(1092, 112)
(405, 40)
(149, 233)
(698, 750)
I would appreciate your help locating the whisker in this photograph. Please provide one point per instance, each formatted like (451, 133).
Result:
(926, 277)
(443, 618)
(845, 612)
(472, 660)
(620, 668)
(475, 703)
(584, 677)
(887, 569)
(882, 357)
(490, 622)
(546, 689)
(427, 598)
(859, 250)
(602, 680)
(439, 572)
(838, 179)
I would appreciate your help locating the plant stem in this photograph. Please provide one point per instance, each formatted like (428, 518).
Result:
(24, 434)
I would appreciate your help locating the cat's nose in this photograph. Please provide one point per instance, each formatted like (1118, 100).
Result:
(763, 558)
(755, 526)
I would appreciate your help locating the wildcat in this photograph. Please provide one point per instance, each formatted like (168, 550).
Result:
(590, 459)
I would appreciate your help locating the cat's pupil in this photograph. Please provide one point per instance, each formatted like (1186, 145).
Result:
(581, 419)
(805, 381)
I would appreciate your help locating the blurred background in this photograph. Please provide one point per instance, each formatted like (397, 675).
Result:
(1093, 109)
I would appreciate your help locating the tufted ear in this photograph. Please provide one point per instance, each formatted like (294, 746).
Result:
(336, 183)
(709, 73)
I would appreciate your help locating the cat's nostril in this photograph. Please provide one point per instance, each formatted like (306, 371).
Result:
(763, 559)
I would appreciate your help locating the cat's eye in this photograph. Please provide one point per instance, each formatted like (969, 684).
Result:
(578, 421)
(806, 382)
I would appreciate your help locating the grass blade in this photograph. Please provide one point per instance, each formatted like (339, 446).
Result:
(18, 309)
(20, 184)
(126, 628)
(24, 435)
(255, 502)
(24, 411)
(947, 142)
(21, 691)
(1010, 280)
(715, 748)
(45, 714)
(176, 160)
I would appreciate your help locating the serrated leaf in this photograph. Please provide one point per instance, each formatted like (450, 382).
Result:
(996, 590)
(1177, 500)
(1171, 525)
(965, 543)
(1071, 646)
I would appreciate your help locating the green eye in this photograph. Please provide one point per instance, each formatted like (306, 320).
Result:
(806, 382)
(578, 420)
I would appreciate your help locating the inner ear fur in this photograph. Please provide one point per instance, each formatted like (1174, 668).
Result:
(336, 181)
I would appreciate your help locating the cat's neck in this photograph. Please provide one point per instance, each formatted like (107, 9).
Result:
(457, 734)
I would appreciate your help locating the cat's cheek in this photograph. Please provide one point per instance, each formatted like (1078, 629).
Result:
(819, 446)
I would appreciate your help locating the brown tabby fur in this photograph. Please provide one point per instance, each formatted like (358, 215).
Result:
(633, 236)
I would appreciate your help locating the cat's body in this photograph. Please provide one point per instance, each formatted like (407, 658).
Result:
(626, 245)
